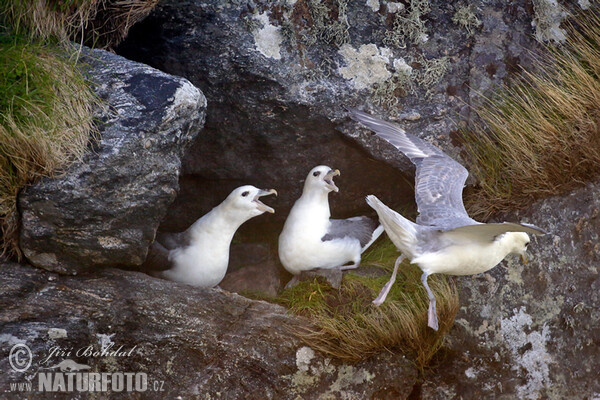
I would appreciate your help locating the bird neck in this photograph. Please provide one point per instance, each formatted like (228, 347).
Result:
(221, 221)
(316, 197)
(505, 245)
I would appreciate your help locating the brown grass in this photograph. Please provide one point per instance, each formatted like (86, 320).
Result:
(540, 136)
(98, 23)
(347, 326)
(46, 121)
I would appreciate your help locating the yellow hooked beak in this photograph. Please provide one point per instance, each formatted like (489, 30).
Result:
(524, 259)
(329, 179)
(262, 206)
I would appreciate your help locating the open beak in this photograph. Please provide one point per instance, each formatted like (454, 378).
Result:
(524, 259)
(262, 206)
(329, 179)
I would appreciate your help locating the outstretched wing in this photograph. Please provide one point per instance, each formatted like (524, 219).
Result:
(439, 179)
(360, 228)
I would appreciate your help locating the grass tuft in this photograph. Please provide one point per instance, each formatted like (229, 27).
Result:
(101, 23)
(540, 136)
(46, 121)
(347, 326)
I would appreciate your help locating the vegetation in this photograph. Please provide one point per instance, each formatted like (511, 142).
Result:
(541, 135)
(324, 26)
(465, 18)
(409, 25)
(45, 121)
(101, 23)
(346, 325)
(46, 106)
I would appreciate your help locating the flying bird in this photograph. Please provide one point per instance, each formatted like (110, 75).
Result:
(444, 239)
(310, 239)
(199, 256)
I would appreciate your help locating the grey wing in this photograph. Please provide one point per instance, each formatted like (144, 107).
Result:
(439, 179)
(439, 183)
(360, 228)
(173, 241)
(489, 232)
(410, 145)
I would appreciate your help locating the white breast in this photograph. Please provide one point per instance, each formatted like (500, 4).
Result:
(300, 244)
(462, 260)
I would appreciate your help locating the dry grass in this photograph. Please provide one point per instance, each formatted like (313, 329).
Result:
(347, 326)
(101, 23)
(46, 113)
(540, 136)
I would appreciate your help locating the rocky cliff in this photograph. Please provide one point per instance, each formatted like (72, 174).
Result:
(275, 76)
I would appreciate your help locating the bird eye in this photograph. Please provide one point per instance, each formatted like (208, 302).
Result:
(316, 173)
(246, 193)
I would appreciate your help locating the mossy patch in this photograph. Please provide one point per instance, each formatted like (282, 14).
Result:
(347, 326)
(409, 25)
(46, 110)
(466, 18)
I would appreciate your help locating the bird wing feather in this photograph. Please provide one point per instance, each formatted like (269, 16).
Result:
(439, 179)
(489, 232)
(360, 228)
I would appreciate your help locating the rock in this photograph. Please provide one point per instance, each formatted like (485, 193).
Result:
(532, 331)
(256, 279)
(276, 74)
(201, 343)
(254, 268)
(105, 209)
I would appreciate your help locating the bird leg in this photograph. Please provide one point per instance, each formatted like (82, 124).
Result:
(386, 288)
(432, 320)
(293, 282)
(346, 267)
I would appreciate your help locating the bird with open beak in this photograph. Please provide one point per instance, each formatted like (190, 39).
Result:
(199, 256)
(310, 239)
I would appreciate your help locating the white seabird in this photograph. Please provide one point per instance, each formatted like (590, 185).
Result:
(310, 239)
(199, 256)
(444, 238)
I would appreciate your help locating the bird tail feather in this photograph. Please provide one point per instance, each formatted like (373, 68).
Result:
(402, 232)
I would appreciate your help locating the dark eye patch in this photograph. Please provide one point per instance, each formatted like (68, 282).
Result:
(246, 193)
(316, 173)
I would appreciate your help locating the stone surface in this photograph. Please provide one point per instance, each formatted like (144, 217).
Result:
(277, 73)
(105, 209)
(207, 344)
(254, 268)
(532, 331)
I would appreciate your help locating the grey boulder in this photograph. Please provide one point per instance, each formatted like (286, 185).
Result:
(105, 209)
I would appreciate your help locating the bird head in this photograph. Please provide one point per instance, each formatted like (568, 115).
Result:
(246, 199)
(321, 178)
(519, 241)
